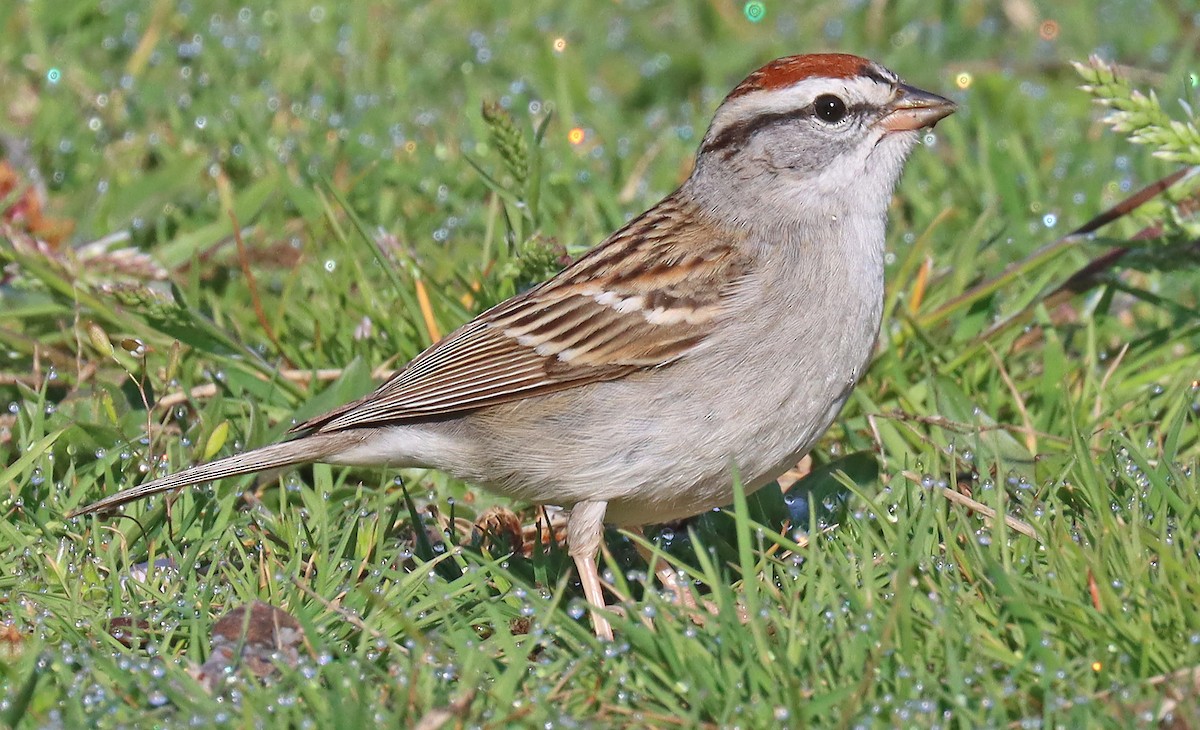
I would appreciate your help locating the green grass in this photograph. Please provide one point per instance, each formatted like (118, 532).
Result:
(349, 145)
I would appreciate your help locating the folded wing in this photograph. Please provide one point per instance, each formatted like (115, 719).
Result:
(643, 299)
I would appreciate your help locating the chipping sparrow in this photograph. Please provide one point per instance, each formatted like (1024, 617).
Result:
(722, 329)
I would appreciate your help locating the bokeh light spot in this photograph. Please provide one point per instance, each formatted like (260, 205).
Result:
(53, 75)
(576, 135)
(560, 45)
(1048, 30)
(755, 11)
(963, 80)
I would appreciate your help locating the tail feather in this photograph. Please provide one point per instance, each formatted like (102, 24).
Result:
(303, 450)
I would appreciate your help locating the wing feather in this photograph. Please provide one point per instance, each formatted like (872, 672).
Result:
(642, 299)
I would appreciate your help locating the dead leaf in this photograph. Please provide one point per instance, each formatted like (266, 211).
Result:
(258, 638)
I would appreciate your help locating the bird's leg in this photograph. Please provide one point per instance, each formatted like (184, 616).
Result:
(664, 572)
(585, 528)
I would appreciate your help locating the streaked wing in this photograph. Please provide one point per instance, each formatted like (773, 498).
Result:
(642, 299)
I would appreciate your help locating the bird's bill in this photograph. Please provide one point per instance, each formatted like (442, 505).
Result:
(915, 109)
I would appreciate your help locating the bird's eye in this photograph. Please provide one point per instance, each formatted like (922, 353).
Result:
(829, 108)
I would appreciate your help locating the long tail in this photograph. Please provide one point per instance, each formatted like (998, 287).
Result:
(304, 450)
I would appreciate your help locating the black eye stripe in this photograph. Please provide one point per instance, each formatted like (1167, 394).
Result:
(738, 134)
